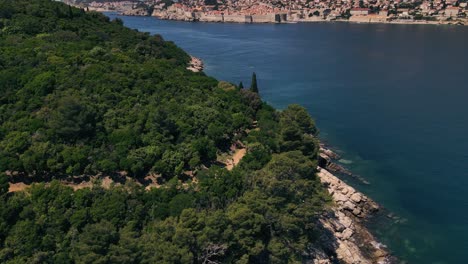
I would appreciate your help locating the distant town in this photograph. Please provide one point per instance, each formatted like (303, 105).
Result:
(291, 11)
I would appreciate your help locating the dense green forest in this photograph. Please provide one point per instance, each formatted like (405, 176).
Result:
(82, 95)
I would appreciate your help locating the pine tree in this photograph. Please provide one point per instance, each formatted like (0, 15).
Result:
(241, 86)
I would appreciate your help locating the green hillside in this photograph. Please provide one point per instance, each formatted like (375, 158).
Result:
(81, 95)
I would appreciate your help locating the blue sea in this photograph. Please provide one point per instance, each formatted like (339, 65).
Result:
(392, 99)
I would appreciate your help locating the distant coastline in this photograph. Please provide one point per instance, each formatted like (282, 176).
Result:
(360, 20)
(288, 18)
(180, 12)
(356, 20)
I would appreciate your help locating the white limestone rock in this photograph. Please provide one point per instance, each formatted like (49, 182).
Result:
(347, 233)
(349, 205)
(356, 197)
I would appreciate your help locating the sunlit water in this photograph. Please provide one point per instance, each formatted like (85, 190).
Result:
(391, 98)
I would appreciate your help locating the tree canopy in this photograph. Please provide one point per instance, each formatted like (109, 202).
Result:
(83, 95)
(80, 94)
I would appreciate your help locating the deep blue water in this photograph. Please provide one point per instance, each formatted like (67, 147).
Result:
(391, 98)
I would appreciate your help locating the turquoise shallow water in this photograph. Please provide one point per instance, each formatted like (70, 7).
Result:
(391, 98)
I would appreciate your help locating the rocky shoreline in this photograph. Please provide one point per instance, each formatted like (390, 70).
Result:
(326, 160)
(346, 239)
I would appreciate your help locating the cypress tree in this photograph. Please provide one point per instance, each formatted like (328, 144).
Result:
(241, 86)
(253, 86)
(4, 185)
(57, 11)
(70, 12)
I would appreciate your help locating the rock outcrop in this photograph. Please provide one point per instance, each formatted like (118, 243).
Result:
(346, 197)
(195, 64)
(328, 152)
(136, 12)
(173, 13)
(327, 159)
(345, 238)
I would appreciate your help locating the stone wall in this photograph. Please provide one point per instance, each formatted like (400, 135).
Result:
(210, 18)
(237, 18)
(368, 19)
(269, 18)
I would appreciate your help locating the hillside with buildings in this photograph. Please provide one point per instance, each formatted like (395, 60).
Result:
(277, 11)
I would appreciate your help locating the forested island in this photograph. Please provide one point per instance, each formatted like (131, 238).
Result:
(83, 99)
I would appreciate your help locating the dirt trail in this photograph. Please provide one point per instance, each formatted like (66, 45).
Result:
(150, 180)
(17, 187)
(236, 158)
(21, 186)
(105, 182)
